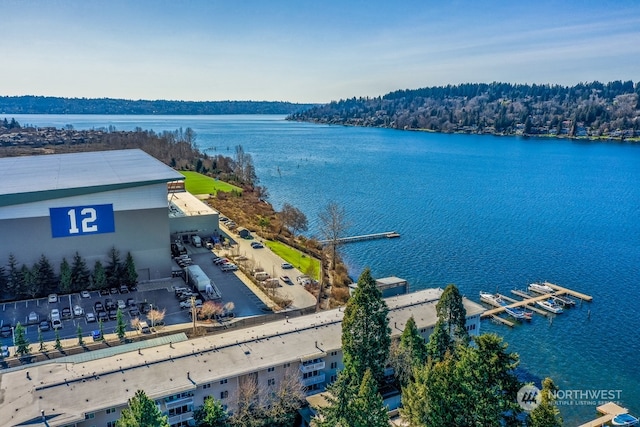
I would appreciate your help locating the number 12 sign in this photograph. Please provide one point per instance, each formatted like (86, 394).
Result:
(81, 220)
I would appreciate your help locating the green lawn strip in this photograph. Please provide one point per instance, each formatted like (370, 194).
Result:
(299, 260)
(196, 183)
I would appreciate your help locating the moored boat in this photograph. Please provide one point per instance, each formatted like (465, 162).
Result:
(550, 305)
(564, 300)
(541, 288)
(518, 313)
(624, 420)
(492, 299)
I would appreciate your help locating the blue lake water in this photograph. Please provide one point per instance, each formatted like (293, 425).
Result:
(483, 212)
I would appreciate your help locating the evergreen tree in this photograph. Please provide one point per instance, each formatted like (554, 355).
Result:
(65, 277)
(121, 325)
(113, 268)
(142, 412)
(14, 277)
(99, 277)
(365, 332)
(211, 414)
(21, 341)
(28, 284)
(439, 342)
(79, 334)
(101, 329)
(338, 412)
(46, 277)
(431, 398)
(451, 311)
(368, 406)
(58, 344)
(130, 273)
(79, 273)
(413, 342)
(4, 284)
(546, 414)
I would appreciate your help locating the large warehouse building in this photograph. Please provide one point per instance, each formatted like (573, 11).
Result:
(88, 203)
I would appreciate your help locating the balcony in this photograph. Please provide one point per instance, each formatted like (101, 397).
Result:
(318, 379)
(180, 418)
(312, 367)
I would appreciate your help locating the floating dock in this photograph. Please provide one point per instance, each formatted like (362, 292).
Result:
(609, 411)
(386, 234)
(529, 301)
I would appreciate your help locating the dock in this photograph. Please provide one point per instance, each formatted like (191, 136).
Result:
(609, 411)
(529, 300)
(385, 235)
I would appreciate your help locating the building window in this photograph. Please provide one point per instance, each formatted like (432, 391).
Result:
(271, 369)
(224, 394)
(111, 410)
(223, 381)
(334, 365)
(333, 378)
(334, 353)
(111, 424)
(90, 416)
(271, 381)
(206, 386)
(286, 365)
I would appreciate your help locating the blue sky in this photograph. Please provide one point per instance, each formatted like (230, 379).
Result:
(307, 51)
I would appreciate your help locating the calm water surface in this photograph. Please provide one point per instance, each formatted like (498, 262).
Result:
(486, 213)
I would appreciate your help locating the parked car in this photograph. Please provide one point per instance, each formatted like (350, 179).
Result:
(228, 267)
(113, 290)
(5, 331)
(121, 304)
(113, 314)
(124, 289)
(134, 312)
(96, 335)
(131, 302)
(66, 313)
(286, 280)
(4, 351)
(144, 307)
(44, 326)
(98, 306)
(90, 317)
(78, 311)
(33, 318)
(109, 304)
(104, 291)
(53, 298)
(102, 316)
(85, 294)
(303, 280)
(257, 245)
(133, 288)
(286, 266)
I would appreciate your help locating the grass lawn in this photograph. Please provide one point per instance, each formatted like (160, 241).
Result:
(196, 183)
(294, 257)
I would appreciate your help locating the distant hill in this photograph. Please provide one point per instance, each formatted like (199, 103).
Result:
(52, 105)
(593, 110)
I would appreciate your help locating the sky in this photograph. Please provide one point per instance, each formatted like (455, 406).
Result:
(307, 51)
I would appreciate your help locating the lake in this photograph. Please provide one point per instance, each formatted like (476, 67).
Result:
(484, 212)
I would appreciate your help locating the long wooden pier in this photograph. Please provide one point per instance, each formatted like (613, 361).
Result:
(529, 300)
(386, 234)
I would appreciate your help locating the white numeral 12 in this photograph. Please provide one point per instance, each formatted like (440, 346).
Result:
(89, 217)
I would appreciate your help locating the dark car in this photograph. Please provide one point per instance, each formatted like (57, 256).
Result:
(66, 313)
(131, 302)
(98, 306)
(114, 290)
(102, 316)
(133, 288)
(5, 331)
(145, 307)
(104, 292)
(113, 314)
(134, 312)
(109, 304)
(124, 289)
(44, 326)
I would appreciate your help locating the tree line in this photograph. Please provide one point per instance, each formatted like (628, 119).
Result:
(59, 105)
(22, 281)
(586, 109)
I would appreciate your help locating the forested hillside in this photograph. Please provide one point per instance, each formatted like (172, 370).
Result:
(584, 110)
(51, 105)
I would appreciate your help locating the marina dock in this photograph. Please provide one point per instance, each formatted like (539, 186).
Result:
(386, 234)
(529, 301)
(608, 411)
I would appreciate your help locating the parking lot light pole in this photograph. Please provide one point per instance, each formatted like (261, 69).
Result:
(13, 337)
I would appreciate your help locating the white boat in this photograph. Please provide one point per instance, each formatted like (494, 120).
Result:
(624, 420)
(518, 313)
(541, 288)
(492, 299)
(550, 305)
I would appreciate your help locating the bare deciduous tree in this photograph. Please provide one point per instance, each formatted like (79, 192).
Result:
(333, 224)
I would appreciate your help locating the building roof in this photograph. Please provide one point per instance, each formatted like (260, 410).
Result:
(66, 391)
(28, 179)
(183, 204)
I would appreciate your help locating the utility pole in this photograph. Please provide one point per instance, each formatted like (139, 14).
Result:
(194, 315)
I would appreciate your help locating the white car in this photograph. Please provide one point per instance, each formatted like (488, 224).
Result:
(85, 294)
(78, 311)
(53, 298)
(90, 317)
(228, 267)
(4, 351)
(121, 304)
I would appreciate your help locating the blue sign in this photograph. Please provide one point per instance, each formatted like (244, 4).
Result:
(81, 220)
